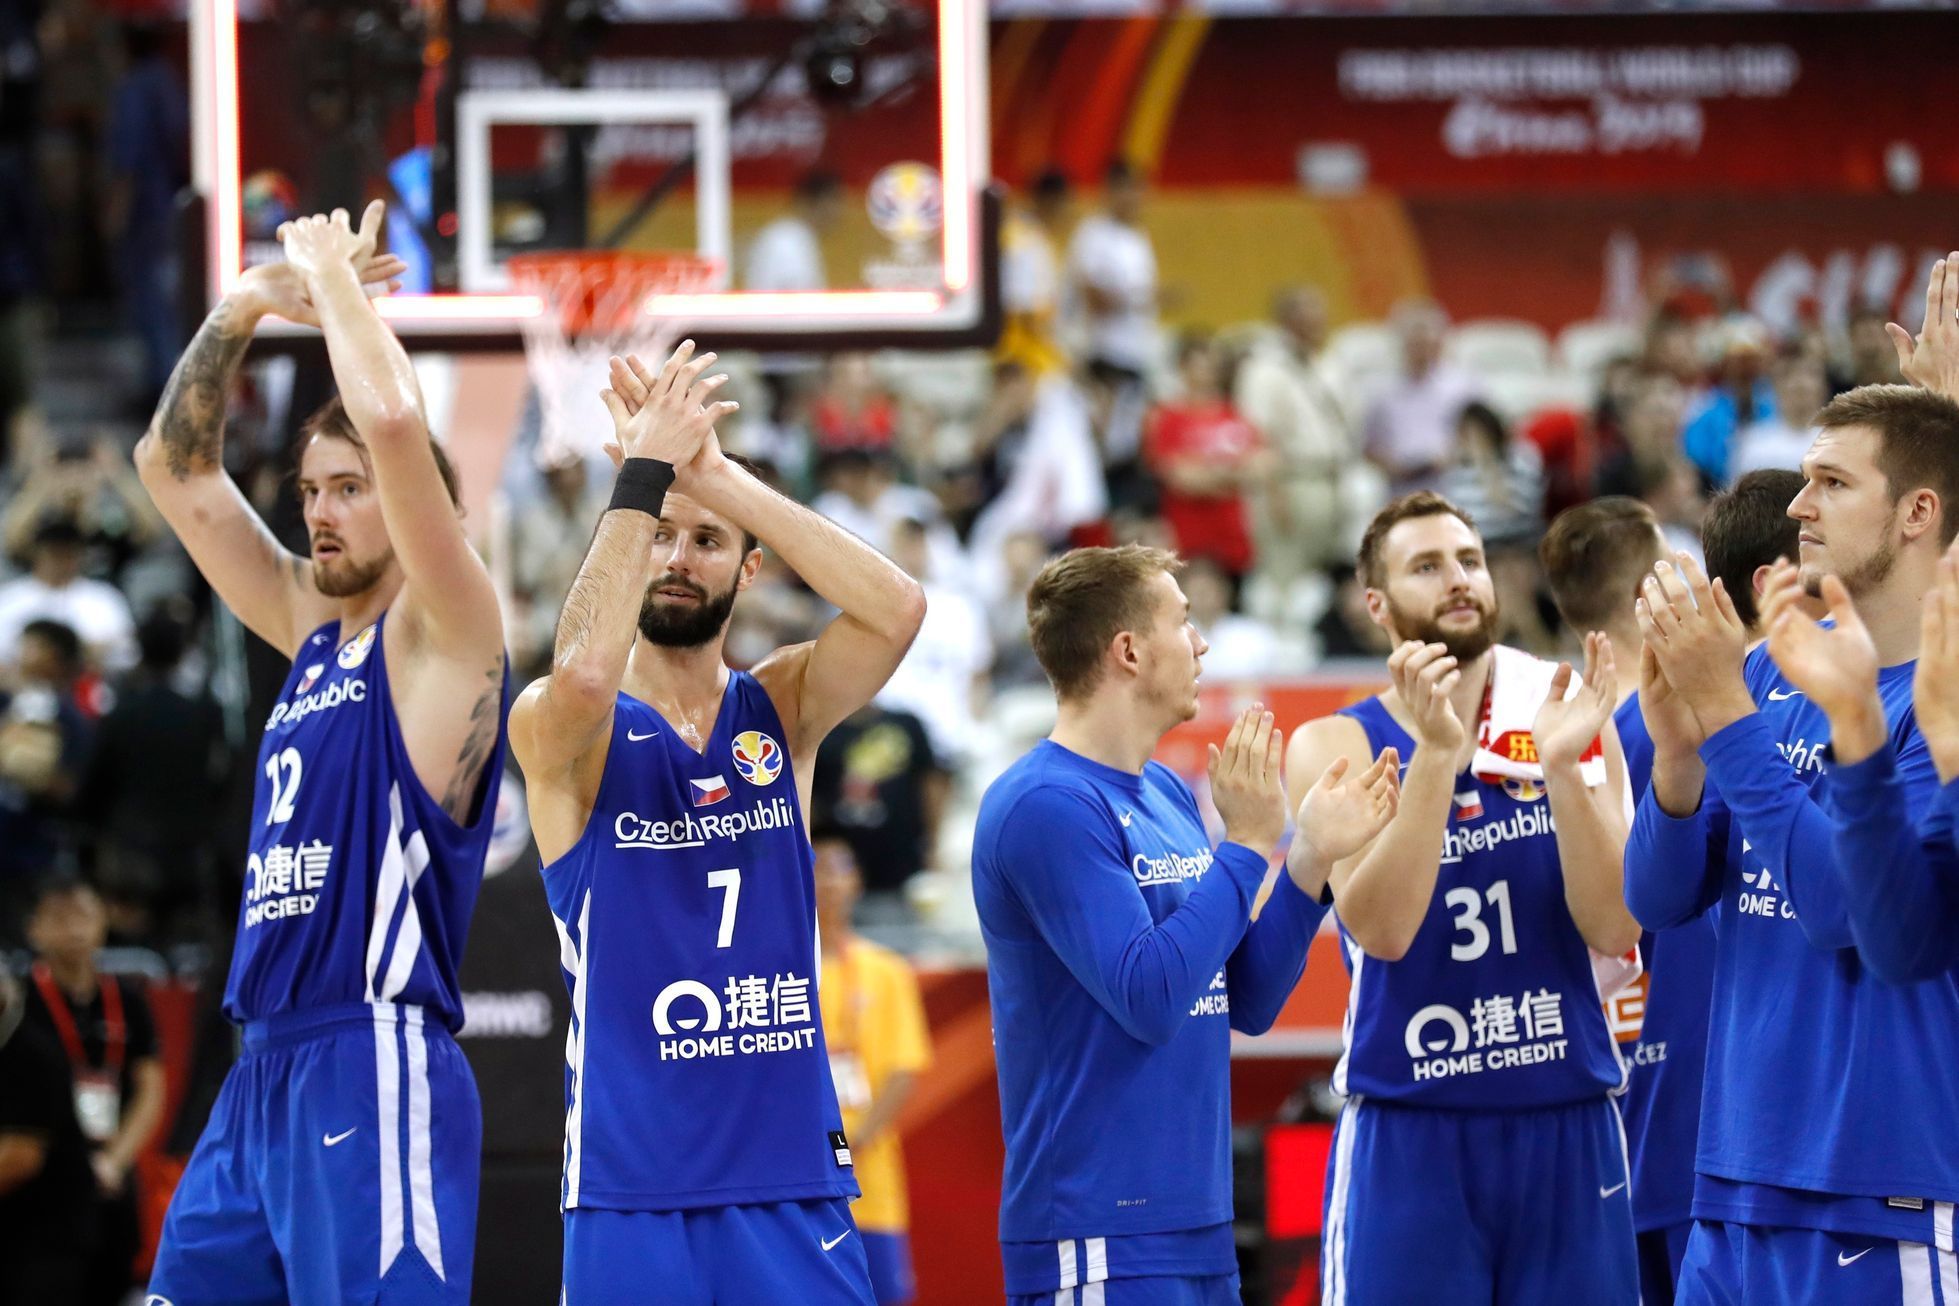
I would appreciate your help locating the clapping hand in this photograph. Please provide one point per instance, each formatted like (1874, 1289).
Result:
(1566, 726)
(665, 416)
(1424, 676)
(281, 288)
(323, 242)
(1246, 784)
(1699, 641)
(1933, 360)
(1340, 815)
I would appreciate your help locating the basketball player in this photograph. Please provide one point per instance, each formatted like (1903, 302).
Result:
(1595, 555)
(1479, 1156)
(703, 1146)
(1824, 1170)
(1120, 952)
(340, 1161)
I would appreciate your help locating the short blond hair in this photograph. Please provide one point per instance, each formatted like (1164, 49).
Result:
(1085, 598)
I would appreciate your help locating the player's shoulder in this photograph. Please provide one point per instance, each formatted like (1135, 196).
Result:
(1041, 784)
(1334, 733)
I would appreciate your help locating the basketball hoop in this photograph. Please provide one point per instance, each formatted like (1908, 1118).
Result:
(594, 307)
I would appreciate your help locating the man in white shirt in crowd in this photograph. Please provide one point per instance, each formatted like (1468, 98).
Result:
(1411, 430)
(943, 679)
(55, 590)
(1779, 440)
(787, 254)
(1306, 519)
(1112, 276)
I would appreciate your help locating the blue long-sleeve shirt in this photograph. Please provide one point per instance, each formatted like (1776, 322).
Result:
(1900, 876)
(1119, 957)
(1826, 1095)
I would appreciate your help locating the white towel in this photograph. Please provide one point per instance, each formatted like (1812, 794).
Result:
(1504, 747)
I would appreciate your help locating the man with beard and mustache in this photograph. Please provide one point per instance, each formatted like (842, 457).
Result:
(1479, 1156)
(704, 1149)
(1789, 784)
(340, 1161)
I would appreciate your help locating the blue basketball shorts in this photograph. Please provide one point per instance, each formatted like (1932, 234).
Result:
(339, 1166)
(1525, 1207)
(1660, 1253)
(1732, 1264)
(1149, 1290)
(809, 1253)
(889, 1255)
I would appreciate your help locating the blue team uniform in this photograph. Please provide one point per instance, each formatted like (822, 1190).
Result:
(341, 1157)
(1479, 1156)
(1118, 962)
(1665, 1064)
(704, 1150)
(1826, 1168)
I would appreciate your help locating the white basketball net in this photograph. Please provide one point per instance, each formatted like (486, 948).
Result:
(594, 308)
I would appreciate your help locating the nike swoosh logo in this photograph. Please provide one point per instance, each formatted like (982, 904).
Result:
(329, 1140)
(1607, 1192)
(636, 738)
(1783, 698)
(1845, 1260)
(1124, 818)
(834, 1241)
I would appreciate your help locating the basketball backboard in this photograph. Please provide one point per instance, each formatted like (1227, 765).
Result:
(830, 157)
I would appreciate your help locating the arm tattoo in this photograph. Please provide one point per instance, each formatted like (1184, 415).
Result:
(477, 745)
(190, 419)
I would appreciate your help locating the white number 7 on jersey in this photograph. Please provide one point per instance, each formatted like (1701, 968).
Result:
(730, 880)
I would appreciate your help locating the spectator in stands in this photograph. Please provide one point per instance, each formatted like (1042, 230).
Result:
(47, 1208)
(91, 483)
(149, 160)
(851, 410)
(1671, 487)
(103, 1024)
(787, 254)
(1497, 478)
(548, 536)
(1038, 467)
(1410, 432)
(1672, 349)
(1780, 439)
(943, 677)
(1739, 396)
(1301, 518)
(1112, 281)
(879, 782)
(874, 1026)
(1030, 275)
(1871, 359)
(44, 742)
(1649, 433)
(1346, 630)
(1020, 559)
(55, 590)
(1207, 460)
(154, 786)
(1241, 648)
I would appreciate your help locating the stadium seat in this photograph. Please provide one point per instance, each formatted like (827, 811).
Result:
(1492, 346)
(1584, 348)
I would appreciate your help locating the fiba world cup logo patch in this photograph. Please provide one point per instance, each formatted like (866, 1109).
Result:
(1524, 791)
(357, 650)
(906, 202)
(758, 758)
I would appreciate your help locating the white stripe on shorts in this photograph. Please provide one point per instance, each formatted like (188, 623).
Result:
(1948, 1276)
(1333, 1251)
(1098, 1261)
(1092, 1295)
(421, 1174)
(1914, 1275)
(387, 1096)
(1942, 1229)
(1065, 1249)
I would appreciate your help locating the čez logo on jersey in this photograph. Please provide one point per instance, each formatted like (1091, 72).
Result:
(758, 758)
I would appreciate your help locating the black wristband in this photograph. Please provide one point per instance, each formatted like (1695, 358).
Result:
(642, 486)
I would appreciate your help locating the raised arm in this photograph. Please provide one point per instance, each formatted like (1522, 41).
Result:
(1933, 359)
(817, 684)
(446, 589)
(1590, 821)
(180, 461)
(1383, 892)
(560, 719)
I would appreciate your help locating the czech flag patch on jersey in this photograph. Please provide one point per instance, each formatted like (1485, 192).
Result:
(709, 792)
(758, 758)
(310, 679)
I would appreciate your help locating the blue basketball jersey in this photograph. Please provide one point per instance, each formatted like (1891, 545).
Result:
(358, 886)
(1494, 1007)
(696, 1068)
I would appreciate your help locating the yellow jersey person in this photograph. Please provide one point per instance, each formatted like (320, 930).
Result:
(874, 1023)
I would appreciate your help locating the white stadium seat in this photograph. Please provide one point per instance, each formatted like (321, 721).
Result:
(1490, 346)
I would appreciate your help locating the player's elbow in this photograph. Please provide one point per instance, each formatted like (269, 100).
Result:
(1381, 940)
(1152, 1023)
(908, 613)
(1253, 1020)
(1613, 938)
